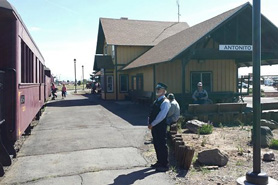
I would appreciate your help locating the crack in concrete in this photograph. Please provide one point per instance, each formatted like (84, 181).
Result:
(67, 152)
(79, 174)
(81, 179)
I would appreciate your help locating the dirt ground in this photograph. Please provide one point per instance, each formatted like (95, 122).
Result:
(235, 141)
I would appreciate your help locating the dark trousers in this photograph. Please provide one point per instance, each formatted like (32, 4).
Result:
(53, 94)
(159, 141)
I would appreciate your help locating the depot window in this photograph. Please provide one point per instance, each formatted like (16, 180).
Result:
(204, 77)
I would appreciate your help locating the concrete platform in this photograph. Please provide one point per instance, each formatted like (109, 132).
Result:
(242, 181)
(84, 140)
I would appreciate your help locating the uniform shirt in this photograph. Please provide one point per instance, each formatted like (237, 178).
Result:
(174, 112)
(164, 108)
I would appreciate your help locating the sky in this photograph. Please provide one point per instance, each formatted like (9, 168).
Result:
(65, 30)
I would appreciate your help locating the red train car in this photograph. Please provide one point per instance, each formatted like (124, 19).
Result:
(22, 76)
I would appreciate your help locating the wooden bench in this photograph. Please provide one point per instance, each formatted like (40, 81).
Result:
(140, 96)
(144, 96)
(269, 106)
(218, 108)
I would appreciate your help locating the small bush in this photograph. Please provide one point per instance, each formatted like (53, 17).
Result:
(205, 129)
(274, 144)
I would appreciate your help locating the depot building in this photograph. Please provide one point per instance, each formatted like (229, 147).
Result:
(134, 55)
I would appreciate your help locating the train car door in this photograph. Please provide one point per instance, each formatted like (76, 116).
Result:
(5, 159)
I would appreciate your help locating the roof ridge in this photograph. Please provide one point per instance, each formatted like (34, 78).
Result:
(165, 30)
(221, 18)
(136, 20)
(188, 29)
(222, 14)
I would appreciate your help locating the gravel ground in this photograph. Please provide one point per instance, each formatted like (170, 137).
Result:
(235, 141)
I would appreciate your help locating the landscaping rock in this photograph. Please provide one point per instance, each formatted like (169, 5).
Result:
(269, 156)
(194, 125)
(213, 158)
(269, 123)
(266, 136)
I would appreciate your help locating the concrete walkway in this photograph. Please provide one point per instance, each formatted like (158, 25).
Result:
(84, 140)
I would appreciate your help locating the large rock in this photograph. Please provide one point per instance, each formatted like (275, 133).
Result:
(266, 136)
(213, 157)
(269, 156)
(269, 123)
(194, 125)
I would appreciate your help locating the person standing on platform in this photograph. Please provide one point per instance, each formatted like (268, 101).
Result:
(158, 126)
(64, 91)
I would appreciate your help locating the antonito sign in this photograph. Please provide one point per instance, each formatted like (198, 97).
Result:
(235, 47)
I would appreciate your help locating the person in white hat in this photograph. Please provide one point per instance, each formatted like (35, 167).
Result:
(200, 96)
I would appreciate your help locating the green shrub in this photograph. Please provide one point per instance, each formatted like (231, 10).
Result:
(274, 144)
(205, 129)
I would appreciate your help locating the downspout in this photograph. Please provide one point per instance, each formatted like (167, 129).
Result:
(154, 81)
(116, 65)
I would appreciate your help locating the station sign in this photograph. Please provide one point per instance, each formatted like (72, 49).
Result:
(235, 47)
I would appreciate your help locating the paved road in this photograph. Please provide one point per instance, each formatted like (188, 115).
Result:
(84, 140)
(249, 100)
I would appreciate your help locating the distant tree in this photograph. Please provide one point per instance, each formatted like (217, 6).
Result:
(79, 82)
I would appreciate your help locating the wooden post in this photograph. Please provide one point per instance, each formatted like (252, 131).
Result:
(188, 156)
(177, 144)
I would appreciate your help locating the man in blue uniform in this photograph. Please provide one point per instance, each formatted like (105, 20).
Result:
(158, 126)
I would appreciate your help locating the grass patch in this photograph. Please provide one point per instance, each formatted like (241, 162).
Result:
(205, 129)
(274, 144)
(204, 170)
(239, 163)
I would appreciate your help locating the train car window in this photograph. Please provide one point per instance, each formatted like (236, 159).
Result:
(22, 62)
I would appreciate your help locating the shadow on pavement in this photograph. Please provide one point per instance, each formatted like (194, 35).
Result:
(132, 177)
(134, 113)
(70, 103)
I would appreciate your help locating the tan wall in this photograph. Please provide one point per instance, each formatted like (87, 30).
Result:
(147, 77)
(170, 73)
(126, 54)
(223, 73)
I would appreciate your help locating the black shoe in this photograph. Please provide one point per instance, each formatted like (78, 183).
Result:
(162, 168)
(155, 165)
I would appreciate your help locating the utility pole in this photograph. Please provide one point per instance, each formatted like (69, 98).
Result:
(178, 3)
(74, 75)
(83, 76)
(256, 176)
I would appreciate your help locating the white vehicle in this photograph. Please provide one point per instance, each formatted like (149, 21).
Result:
(268, 82)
